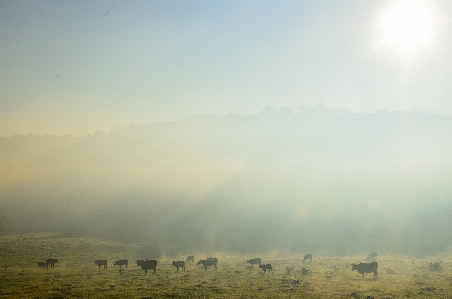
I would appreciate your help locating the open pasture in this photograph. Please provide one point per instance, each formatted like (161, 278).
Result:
(77, 276)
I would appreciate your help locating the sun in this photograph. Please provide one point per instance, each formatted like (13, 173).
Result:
(407, 25)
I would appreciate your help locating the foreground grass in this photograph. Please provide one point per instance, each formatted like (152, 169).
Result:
(76, 275)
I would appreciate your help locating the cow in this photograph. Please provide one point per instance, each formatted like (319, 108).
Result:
(366, 268)
(266, 267)
(209, 262)
(255, 261)
(42, 265)
(179, 264)
(307, 257)
(51, 262)
(101, 263)
(372, 257)
(148, 265)
(121, 263)
(190, 258)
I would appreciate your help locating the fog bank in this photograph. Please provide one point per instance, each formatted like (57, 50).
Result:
(294, 179)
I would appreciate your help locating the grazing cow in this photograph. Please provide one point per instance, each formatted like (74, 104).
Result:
(51, 262)
(366, 268)
(255, 261)
(372, 257)
(266, 267)
(209, 262)
(190, 258)
(179, 264)
(101, 263)
(42, 265)
(121, 263)
(307, 257)
(148, 265)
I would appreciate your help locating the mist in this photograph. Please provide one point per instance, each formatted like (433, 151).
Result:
(303, 179)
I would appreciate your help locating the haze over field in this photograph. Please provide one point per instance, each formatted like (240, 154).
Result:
(243, 126)
(310, 179)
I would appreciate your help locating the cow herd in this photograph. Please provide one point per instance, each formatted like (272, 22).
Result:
(147, 264)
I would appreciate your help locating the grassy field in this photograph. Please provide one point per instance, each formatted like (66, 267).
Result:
(76, 275)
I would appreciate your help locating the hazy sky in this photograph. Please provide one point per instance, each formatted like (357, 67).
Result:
(81, 66)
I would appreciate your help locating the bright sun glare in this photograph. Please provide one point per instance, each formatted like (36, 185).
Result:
(407, 25)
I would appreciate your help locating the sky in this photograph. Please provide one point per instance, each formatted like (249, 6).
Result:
(77, 67)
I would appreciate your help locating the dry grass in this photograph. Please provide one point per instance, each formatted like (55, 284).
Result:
(76, 275)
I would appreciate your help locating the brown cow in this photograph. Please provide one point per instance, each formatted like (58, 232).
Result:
(366, 268)
(190, 258)
(209, 262)
(179, 264)
(372, 257)
(147, 265)
(255, 261)
(101, 263)
(42, 265)
(121, 263)
(266, 267)
(51, 262)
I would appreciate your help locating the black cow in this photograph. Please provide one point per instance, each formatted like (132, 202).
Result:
(121, 263)
(366, 268)
(266, 267)
(372, 257)
(42, 265)
(190, 258)
(211, 261)
(307, 257)
(101, 263)
(51, 262)
(179, 264)
(255, 261)
(148, 265)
